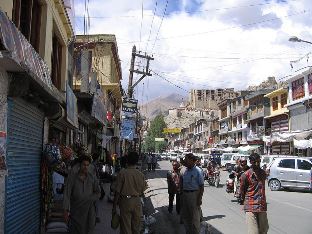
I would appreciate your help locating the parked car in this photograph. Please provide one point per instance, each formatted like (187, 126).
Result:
(290, 172)
(173, 157)
(164, 156)
(226, 159)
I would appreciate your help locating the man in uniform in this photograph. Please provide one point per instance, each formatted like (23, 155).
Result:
(193, 189)
(130, 185)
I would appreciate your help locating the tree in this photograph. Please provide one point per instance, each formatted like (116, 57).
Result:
(155, 131)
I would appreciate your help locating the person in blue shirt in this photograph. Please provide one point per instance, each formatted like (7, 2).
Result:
(193, 189)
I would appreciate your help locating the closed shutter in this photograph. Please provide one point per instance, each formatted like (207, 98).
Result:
(24, 149)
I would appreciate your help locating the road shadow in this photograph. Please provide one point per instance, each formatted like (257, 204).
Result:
(296, 190)
(207, 218)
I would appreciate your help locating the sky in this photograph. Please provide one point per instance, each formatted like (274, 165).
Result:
(203, 44)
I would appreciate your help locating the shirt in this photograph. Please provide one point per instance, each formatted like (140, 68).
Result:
(173, 179)
(192, 178)
(130, 182)
(252, 190)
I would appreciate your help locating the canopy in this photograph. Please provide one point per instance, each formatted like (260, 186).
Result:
(302, 144)
(247, 148)
(228, 149)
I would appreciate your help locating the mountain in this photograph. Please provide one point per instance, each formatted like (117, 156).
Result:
(161, 105)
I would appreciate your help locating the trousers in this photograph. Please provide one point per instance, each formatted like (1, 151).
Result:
(257, 222)
(130, 215)
(171, 198)
(191, 212)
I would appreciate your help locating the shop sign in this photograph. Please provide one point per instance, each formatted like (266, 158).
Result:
(71, 106)
(129, 105)
(98, 107)
(127, 129)
(160, 139)
(2, 151)
(171, 130)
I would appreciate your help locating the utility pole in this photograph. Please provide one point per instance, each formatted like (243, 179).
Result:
(144, 73)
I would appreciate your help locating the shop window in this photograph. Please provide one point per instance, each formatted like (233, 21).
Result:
(310, 84)
(26, 17)
(275, 103)
(56, 59)
(297, 89)
(283, 99)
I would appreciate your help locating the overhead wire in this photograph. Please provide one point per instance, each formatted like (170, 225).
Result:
(141, 25)
(150, 31)
(164, 78)
(162, 19)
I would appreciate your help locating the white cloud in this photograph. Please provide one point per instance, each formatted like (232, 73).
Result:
(214, 44)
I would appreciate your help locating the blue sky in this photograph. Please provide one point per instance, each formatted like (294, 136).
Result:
(204, 43)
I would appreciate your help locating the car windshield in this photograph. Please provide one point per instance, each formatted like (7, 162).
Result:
(227, 157)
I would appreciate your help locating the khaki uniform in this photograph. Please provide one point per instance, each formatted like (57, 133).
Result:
(130, 184)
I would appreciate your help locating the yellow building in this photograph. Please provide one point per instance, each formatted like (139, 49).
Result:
(278, 121)
(34, 68)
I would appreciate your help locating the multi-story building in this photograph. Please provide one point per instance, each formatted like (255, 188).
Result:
(300, 105)
(277, 121)
(259, 107)
(239, 128)
(225, 122)
(209, 99)
(97, 86)
(214, 138)
(34, 73)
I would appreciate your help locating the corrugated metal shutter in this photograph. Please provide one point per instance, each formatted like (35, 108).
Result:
(24, 147)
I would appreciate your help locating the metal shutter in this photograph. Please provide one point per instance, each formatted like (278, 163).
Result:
(24, 149)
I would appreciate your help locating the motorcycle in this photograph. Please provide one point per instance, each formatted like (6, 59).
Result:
(213, 177)
(230, 183)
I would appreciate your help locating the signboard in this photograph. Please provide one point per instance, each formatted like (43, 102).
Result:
(2, 151)
(98, 107)
(71, 106)
(159, 139)
(129, 105)
(127, 129)
(171, 130)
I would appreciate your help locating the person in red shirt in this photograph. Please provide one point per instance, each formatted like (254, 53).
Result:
(252, 190)
(173, 179)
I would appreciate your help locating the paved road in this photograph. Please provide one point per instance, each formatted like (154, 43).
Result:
(288, 211)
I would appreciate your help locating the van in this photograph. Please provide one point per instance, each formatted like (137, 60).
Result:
(230, 165)
(290, 172)
(226, 158)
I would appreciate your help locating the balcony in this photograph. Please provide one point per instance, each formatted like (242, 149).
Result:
(256, 113)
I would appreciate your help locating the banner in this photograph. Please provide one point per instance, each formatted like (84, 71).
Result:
(71, 106)
(2, 151)
(127, 129)
(171, 130)
(98, 107)
(159, 139)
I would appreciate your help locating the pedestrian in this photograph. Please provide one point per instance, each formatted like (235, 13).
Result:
(80, 194)
(154, 162)
(173, 180)
(252, 190)
(193, 189)
(130, 185)
(149, 162)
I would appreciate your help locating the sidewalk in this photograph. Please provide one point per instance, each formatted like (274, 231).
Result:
(105, 215)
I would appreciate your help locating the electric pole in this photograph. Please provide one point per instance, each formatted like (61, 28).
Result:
(144, 73)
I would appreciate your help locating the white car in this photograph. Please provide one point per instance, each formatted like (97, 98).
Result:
(173, 157)
(226, 159)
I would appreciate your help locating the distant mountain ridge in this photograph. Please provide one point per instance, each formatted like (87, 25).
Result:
(161, 105)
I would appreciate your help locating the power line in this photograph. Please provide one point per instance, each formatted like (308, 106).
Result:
(224, 29)
(149, 36)
(162, 19)
(141, 27)
(170, 81)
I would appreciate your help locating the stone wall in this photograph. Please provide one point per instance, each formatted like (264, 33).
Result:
(4, 80)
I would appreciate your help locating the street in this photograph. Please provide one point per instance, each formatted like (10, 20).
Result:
(288, 211)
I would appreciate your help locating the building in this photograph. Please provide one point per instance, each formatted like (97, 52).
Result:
(209, 99)
(34, 70)
(300, 107)
(225, 122)
(277, 121)
(97, 85)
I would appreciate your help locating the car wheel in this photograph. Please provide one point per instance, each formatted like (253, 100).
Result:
(274, 185)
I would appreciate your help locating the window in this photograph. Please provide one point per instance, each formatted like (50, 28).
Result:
(310, 83)
(223, 113)
(297, 87)
(56, 59)
(283, 99)
(275, 103)
(26, 17)
(287, 163)
(304, 165)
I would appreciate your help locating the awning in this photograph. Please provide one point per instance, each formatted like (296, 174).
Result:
(302, 144)
(228, 149)
(286, 136)
(247, 148)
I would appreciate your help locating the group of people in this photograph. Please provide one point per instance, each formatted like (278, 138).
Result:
(186, 184)
(151, 160)
(82, 191)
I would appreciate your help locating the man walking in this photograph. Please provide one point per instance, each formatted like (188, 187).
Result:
(193, 189)
(80, 194)
(149, 162)
(154, 162)
(252, 190)
(130, 185)
(173, 180)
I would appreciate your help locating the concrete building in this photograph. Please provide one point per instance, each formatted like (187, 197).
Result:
(209, 99)
(34, 70)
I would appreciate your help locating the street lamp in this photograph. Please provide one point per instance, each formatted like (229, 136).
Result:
(296, 39)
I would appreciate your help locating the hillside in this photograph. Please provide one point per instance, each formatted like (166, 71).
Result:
(161, 105)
